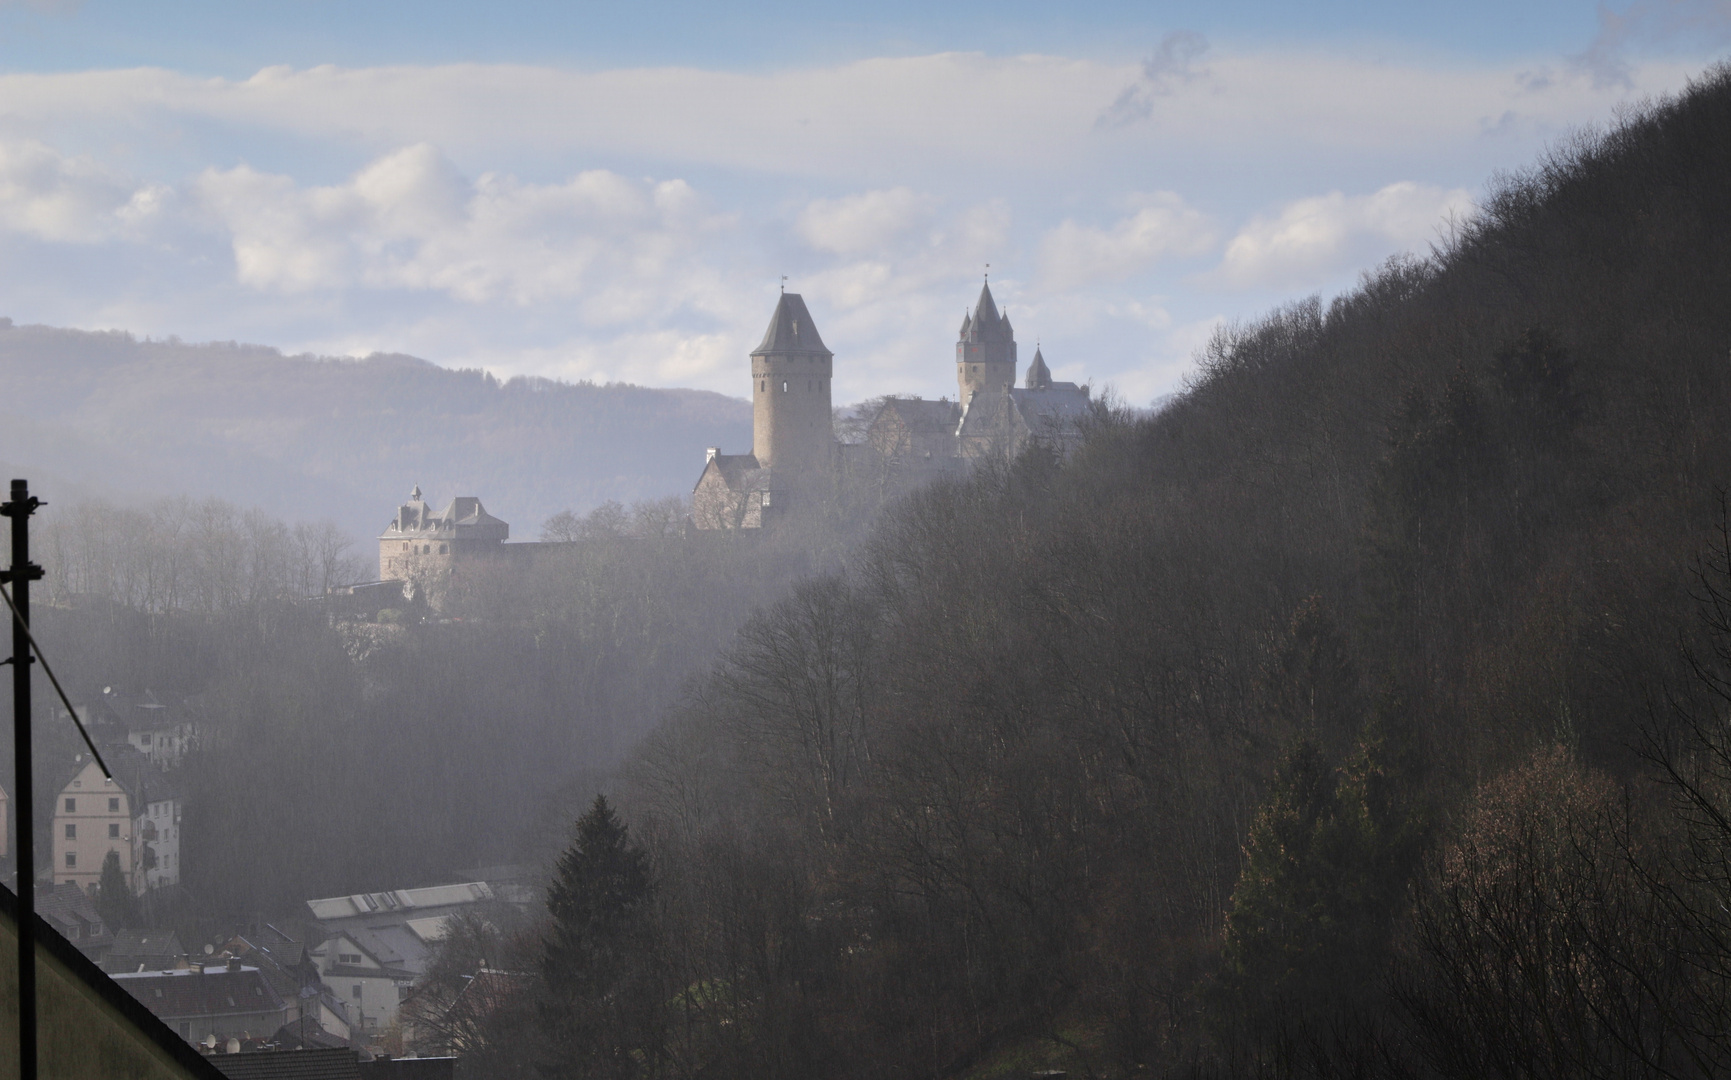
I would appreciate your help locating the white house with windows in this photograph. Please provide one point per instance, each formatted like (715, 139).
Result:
(378, 944)
(92, 817)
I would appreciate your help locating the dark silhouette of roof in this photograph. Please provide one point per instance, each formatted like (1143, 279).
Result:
(320, 1064)
(791, 331)
(154, 949)
(218, 992)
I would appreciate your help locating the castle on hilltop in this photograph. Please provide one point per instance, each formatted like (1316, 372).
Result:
(796, 457)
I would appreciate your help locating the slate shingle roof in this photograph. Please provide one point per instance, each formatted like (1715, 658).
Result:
(213, 993)
(791, 331)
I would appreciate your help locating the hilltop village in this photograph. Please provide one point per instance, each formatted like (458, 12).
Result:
(796, 462)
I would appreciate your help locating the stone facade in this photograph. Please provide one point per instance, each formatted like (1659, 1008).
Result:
(422, 547)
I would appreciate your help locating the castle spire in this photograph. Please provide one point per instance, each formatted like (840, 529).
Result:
(1039, 375)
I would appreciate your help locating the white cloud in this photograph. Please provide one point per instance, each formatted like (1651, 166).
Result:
(46, 195)
(410, 221)
(873, 221)
(1073, 256)
(1314, 237)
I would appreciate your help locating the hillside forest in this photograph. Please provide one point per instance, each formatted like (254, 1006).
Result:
(318, 438)
(1365, 712)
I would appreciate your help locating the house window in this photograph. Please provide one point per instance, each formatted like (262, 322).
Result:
(349, 958)
(72, 806)
(356, 994)
(71, 859)
(186, 1030)
(114, 806)
(71, 832)
(114, 830)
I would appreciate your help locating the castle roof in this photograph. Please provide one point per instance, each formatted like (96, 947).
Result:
(791, 331)
(740, 472)
(464, 519)
(987, 322)
(1039, 375)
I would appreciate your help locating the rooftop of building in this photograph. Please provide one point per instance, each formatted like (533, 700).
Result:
(791, 331)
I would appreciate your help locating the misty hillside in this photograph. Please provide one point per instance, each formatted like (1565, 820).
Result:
(103, 414)
(1362, 713)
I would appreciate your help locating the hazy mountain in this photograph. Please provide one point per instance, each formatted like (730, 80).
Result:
(105, 414)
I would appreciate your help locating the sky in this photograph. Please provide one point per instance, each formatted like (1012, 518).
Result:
(614, 192)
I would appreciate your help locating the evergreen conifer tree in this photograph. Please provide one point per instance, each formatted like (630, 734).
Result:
(600, 1011)
(113, 899)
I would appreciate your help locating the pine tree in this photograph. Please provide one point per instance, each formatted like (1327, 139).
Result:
(1325, 870)
(113, 899)
(600, 1011)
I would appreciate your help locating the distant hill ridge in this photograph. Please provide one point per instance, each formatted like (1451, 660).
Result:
(106, 414)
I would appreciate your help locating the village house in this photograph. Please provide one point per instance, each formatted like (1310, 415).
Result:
(377, 944)
(143, 950)
(223, 1000)
(136, 814)
(314, 1008)
(69, 909)
(92, 817)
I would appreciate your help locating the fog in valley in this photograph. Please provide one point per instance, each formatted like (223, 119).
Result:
(1350, 697)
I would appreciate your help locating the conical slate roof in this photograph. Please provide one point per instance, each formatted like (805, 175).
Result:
(1039, 375)
(791, 331)
(986, 311)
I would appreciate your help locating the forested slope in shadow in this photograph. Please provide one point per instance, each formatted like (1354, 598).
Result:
(1177, 756)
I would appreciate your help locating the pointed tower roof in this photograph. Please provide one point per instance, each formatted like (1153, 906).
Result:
(791, 331)
(986, 310)
(1039, 375)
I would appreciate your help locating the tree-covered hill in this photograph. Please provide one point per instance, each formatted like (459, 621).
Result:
(1340, 719)
(106, 415)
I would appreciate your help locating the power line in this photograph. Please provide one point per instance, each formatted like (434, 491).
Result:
(64, 700)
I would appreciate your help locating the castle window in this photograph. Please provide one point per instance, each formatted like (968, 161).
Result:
(784, 386)
(762, 385)
(442, 549)
(405, 545)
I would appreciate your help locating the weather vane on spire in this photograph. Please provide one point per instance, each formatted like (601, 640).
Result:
(784, 284)
(988, 271)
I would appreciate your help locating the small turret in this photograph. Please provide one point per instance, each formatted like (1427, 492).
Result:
(1039, 375)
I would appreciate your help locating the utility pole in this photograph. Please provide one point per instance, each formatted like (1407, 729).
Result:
(19, 577)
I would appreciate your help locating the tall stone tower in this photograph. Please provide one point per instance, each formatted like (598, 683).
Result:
(792, 431)
(986, 353)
